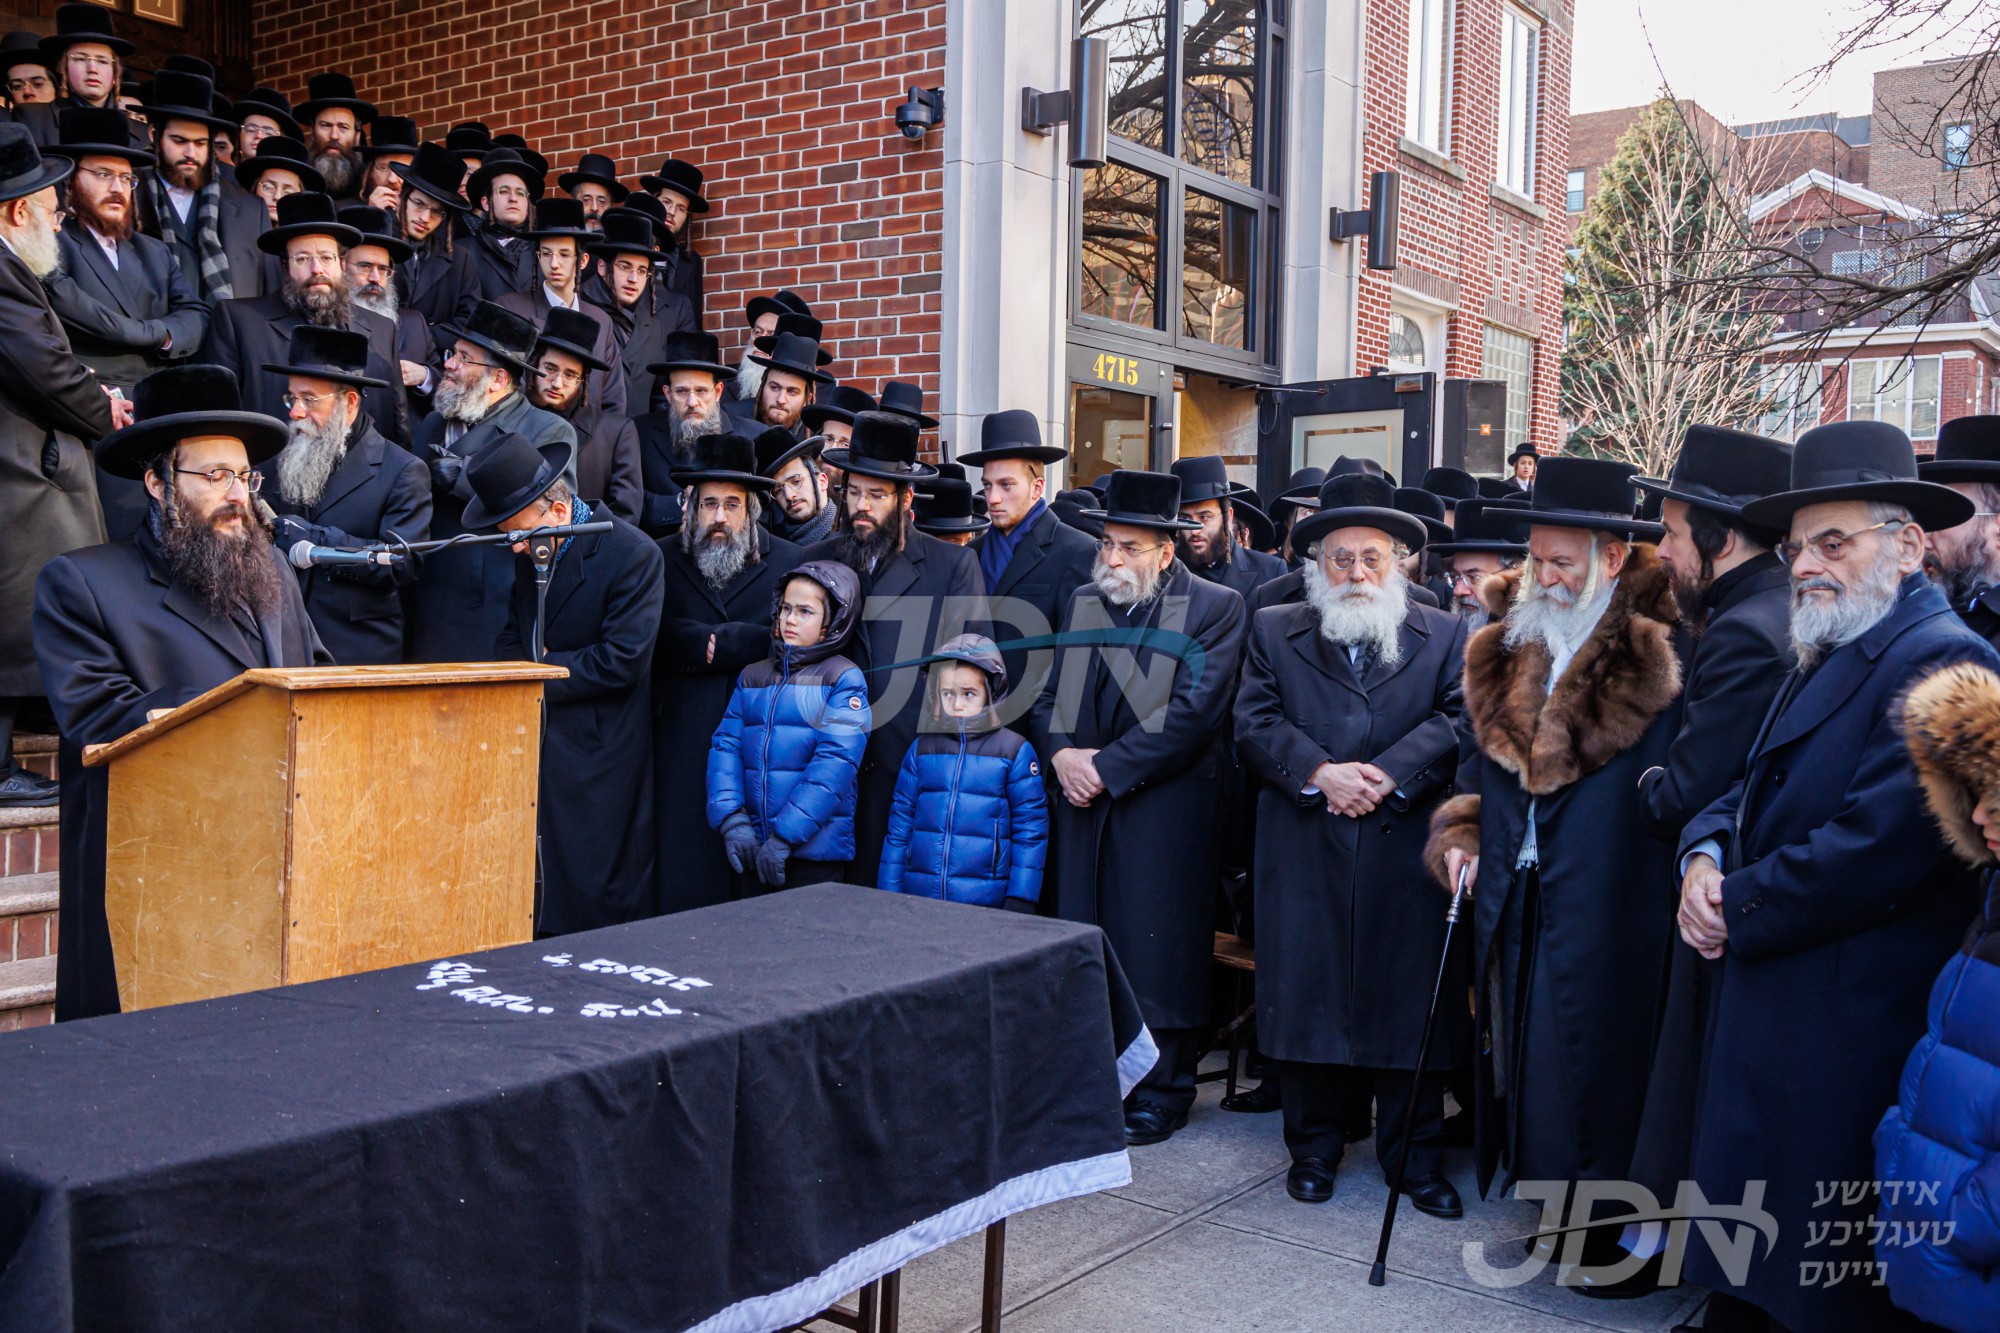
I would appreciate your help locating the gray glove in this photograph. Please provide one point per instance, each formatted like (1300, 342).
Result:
(739, 842)
(771, 858)
(445, 471)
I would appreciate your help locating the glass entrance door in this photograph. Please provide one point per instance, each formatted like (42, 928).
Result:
(1120, 408)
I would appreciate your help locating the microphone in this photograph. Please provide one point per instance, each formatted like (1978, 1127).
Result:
(304, 555)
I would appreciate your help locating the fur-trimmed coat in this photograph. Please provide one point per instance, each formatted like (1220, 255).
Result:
(1571, 1038)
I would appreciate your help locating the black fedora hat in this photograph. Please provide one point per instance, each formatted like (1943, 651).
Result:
(21, 47)
(793, 354)
(805, 326)
(1591, 493)
(377, 227)
(683, 178)
(1203, 477)
(1359, 500)
(333, 89)
(778, 303)
(1301, 490)
(307, 213)
(278, 152)
(391, 134)
(468, 139)
(1857, 460)
(23, 169)
(1524, 451)
(626, 232)
(644, 205)
(1015, 433)
(1073, 508)
(272, 105)
(838, 403)
(1143, 500)
(340, 355)
(180, 95)
(905, 399)
(511, 474)
(884, 445)
(97, 131)
(1243, 507)
(437, 173)
(1721, 470)
(691, 349)
(1426, 508)
(188, 64)
(498, 162)
(516, 143)
(572, 333)
(944, 508)
(777, 446)
(500, 331)
(1479, 530)
(556, 217)
(595, 169)
(1968, 449)
(728, 457)
(179, 403)
(81, 24)
(1499, 488)
(1451, 485)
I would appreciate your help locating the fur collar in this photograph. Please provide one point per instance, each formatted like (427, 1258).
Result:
(1623, 677)
(1951, 722)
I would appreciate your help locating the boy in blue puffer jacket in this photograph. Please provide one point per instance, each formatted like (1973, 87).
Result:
(786, 760)
(970, 823)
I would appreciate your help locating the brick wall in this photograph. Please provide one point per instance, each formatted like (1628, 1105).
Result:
(1911, 108)
(1497, 262)
(787, 105)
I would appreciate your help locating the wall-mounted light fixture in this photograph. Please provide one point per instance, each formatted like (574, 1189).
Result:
(1084, 106)
(1379, 222)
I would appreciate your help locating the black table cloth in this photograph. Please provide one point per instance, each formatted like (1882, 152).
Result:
(720, 1120)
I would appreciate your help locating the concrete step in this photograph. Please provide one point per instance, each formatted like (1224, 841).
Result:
(28, 840)
(36, 752)
(27, 916)
(27, 993)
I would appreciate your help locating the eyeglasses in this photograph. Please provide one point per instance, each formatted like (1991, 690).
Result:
(799, 485)
(1830, 547)
(90, 61)
(308, 400)
(557, 375)
(789, 612)
(220, 477)
(35, 84)
(1343, 559)
(1126, 549)
(455, 355)
(121, 178)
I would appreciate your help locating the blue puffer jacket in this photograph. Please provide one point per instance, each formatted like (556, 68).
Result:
(970, 823)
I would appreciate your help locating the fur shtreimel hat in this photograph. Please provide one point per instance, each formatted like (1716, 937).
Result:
(1951, 722)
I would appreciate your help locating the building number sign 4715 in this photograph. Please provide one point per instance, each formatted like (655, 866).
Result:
(1109, 369)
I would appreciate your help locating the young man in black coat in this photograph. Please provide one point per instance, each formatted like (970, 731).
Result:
(439, 280)
(503, 190)
(1965, 561)
(644, 313)
(722, 572)
(607, 458)
(130, 629)
(211, 231)
(339, 483)
(600, 619)
(558, 239)
(677, 185)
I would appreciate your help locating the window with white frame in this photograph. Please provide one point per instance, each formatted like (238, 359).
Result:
(1506, 355)
(1573, 195)
(1957, 147)
(1902, 391)
(1791, 399)
(1424, 91)
(1520, 61)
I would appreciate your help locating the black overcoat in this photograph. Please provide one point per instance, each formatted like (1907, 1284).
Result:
(1982, 615)
(607, 387)
(660, 503)
(1244, 572)
(681, 272)
(378, 489)
(1142, 860)
(690, 695)
(457, 606)
(117, 638)
(930, 592)
(1051, 561)
(499, 269)
(443, 288)
(248, 333)
(241, 220)
(1348, 926)
(607, 460)
(642, 332)
(1842, 903)
(415, 344)
(596, 816)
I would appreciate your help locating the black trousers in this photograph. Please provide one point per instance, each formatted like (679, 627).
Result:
(1170, 1082)
(10, 706)
(797, 871)
(1318, 1099)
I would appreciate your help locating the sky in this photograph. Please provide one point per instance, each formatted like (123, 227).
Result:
(1742, 60)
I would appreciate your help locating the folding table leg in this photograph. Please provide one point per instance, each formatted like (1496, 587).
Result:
(996, 1269)
(871, 1299)
(892, 1302)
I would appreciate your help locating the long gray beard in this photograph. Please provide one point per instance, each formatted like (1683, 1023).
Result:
(749, 378)
(342, 173)
(1367, 614)
(380, 299)
(466, 406)
(1126, 586)
(36, 244)
(722, 560)
(1555, 617)
(308, 462)
(1820, 627)
(689, 429)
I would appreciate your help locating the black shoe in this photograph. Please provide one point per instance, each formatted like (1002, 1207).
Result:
(1599, 1257)
(1432, 1193)
(1310, 1180)
(1149, 1122)
(22, 788)
(1254, 1101)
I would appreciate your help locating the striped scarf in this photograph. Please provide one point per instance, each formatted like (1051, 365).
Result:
(215, 281)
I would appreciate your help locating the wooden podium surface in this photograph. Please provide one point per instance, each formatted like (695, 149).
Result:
(301, 823)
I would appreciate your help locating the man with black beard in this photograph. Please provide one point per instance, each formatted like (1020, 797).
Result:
(213, 234)
(694, 378)
(339, 483)
(644, 313)
(127, 630)
(1965, 561)
(801, 509)
(503, 190)
(677, 187)
(249, 332)
(333, 115)
(723, 569)
(371, 269)
(607, 457)
(920, 592)
(1211, 550)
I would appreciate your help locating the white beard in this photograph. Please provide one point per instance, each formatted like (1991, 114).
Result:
(749, 377)
(385, 305)
(308, 461)
(1556, 617)
(36, 243)
(1366, 614)
(1819, 627)
(466, 406)
(1126, 587)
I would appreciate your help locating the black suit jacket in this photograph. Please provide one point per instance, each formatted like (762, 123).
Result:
(378, 490)
(660, 503)
(249, 333)
(499, 271)
(444, 289)
(642, 334)
(681, 272)
(1050, 563)
(1245, 572)
(607, 460)
(414, 343)
(243, 218)
(118, 318)
(607, 387)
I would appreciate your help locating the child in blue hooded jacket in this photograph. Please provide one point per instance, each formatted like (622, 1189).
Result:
(970, 822)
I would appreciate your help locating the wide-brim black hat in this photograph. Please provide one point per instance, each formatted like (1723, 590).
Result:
(1426, 508)
(595, 169)
(271, 104)
(1243, 505)
(1451, 485)
(944, 508)
(277, 152)
(625, 233)
(777, 446)
(497, 162)
(511, 474)
(97, 131)
(519, 144)
(805, 326)
(377, 227)
(1478, 532)
(80, 24)
(340, 355)
(1015, 433)
(1968, 449)
(23, 169)
(838, 403)
(1858, 460)
(391, 134)
(1500, 488)
(557, 217)
(1359, 500)
(1301, 490)
(307, 213)
(182, 402)
(684, 179)
(778, 303)
(499, 331)
(572, 333)
(793, 354)
(1594, 494)
(22, 47)
(884, 446)
(1203, 477)
(729, 457)
(468, 138)
(1143, 500)
(180, 95)
(691, 349)
(1721, 470)
(333, 89)
(905, 399)
(436, 172)
(1524, 451)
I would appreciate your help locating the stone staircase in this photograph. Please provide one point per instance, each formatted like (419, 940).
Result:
(28, 900)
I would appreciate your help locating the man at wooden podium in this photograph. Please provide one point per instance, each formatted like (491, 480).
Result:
(129, 629)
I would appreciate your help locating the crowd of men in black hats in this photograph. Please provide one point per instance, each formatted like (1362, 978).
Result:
(1652, 726)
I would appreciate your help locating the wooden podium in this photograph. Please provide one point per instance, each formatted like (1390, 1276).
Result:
(296, 824)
